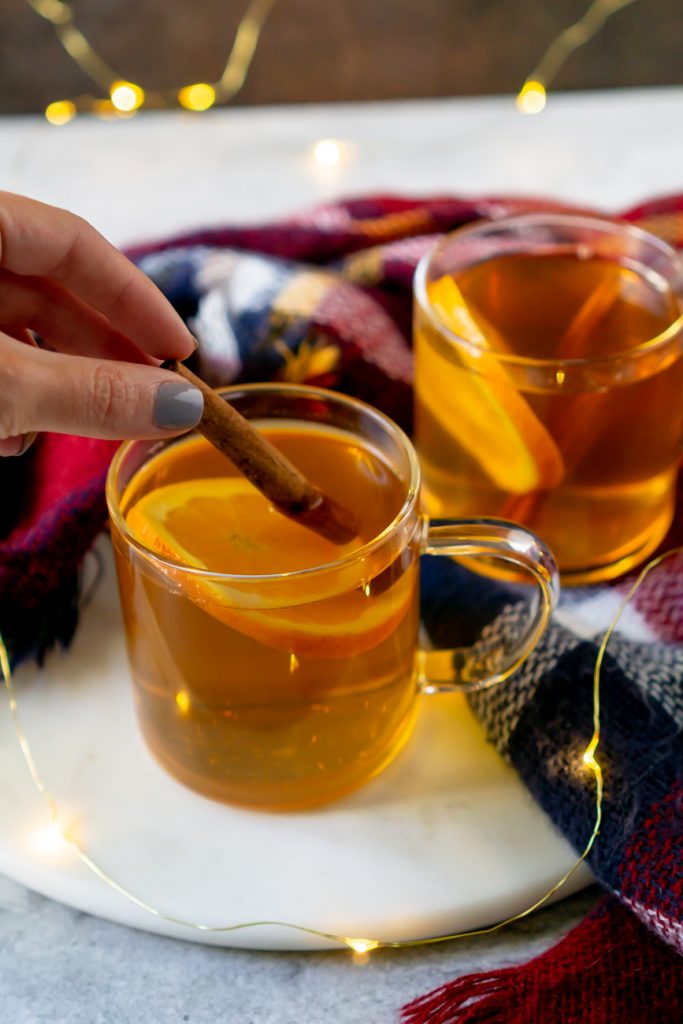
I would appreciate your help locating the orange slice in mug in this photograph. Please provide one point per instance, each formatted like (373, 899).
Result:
(483, 409)
(223, 524)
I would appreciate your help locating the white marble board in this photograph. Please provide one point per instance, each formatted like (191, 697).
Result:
(446, 839)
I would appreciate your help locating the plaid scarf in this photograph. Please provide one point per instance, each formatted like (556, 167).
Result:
(325, 298)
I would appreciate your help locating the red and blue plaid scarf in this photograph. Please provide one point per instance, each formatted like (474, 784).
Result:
(326, 298)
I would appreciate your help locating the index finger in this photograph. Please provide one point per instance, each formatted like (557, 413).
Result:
(45, 241)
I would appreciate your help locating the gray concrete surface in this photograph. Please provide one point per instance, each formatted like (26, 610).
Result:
(60, 966)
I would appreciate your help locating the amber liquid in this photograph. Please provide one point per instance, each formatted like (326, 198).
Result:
(615, 436)
(232, 705)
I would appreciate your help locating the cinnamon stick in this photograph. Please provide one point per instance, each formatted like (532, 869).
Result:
(266, 467)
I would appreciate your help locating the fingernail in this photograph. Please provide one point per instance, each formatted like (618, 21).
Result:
(178, 406)
(28, 441)
(13, 447)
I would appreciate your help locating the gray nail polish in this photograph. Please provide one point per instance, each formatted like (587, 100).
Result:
(178, 406)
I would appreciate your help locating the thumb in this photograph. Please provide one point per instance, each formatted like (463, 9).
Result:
(41, 390)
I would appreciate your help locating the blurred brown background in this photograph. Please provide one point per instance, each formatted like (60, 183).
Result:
(330, 50)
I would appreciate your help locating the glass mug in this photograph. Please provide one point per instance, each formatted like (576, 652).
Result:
(549, 384)
(286, 689)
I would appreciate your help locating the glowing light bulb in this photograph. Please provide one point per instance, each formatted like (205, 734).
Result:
(60, 112)
(362, 945)
(328, 152)
(532, 97)
(199, 96)
(48, 841)
(591, 748)
(182, 699)
(293, 662)
(126, 96)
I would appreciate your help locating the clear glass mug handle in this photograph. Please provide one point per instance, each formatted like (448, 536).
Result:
(465, 669)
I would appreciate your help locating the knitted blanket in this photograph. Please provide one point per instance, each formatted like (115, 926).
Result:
(325, 298)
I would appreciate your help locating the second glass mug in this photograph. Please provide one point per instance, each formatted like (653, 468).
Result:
(578, 440)
(286, 724)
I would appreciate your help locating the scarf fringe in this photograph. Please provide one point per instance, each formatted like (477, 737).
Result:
(608, 969)
(474, 997)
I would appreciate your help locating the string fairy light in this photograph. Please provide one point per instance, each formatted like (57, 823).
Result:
(47, 841)
(60, 836)
(199, 96)
(123, 97)
(328, 152)
(183, 703)
(60, 112)
(126, 97)
(531, 98)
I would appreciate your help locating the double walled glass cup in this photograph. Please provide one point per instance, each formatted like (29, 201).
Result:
(549, 384)
(284, 690)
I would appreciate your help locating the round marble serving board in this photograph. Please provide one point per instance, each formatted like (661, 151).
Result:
(446, 839)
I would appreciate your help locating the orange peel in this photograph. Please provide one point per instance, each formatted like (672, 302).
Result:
(484, 411)
(225, 525)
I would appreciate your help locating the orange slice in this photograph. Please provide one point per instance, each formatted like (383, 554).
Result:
(226, 525)
(484, 411)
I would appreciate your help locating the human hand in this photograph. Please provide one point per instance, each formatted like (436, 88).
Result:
(106, 326)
